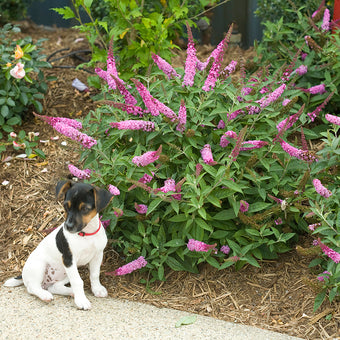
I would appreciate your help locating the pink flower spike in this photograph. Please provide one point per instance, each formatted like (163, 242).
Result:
(253, 144)
(194, 245)
(128, 108)
(53, 120)
(169, 185)
(324, 276)
(134, 125)
(141, 208)
(290, 121)
(285, 102)
(317, 89)
(312, 227)
(333, 119)
(147, 158)
(276, 94)
(332, 254)
(231, 67)
(191, 60)
(301, 70)
(130, 267)
(300, 154)
(218, 58)
(207, 155)
(320, 189)
(182, 117)
(164, 66)
(244, 206)
(113, 190)
(147, 98)
(81, 174)
(326, 20)
(167, 112)
(129, 98)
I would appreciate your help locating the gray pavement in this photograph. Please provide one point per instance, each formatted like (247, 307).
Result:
(23, 316)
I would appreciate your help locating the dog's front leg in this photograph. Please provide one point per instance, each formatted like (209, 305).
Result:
(77, 285)
(97, 289)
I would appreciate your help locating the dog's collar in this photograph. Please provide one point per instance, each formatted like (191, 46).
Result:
(90, 234)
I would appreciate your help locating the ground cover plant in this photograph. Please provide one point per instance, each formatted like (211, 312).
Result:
(206, 169)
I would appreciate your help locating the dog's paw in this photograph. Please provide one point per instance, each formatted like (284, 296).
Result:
(46, 296)
(83, 303)
(99, 291)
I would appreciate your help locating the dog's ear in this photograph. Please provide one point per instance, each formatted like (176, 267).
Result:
(102, 198)
(61, 188)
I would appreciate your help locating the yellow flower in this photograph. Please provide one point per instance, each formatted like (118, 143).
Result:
(163, 2)
(19, 52)
(8, 65)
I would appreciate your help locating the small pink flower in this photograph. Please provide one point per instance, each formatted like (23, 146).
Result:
(244, 206)
(225, 139)
(130, 267)
(194, 245)
(207, 155)
(320, 189)
(278, 221)
(285, 101)
(113, 190)
(164, 66)
(105, 223)
(18, 71)
(277, 200)
(221, 124)
(324, 276)
(18, 145)
(225, 250)
(81, 174)
(141, 208)
(301, 70)
(312, 227)
(13, 134)
(118, 212)
(169, 185)
(234, 114)
(231, 67)
(332, 254)
(147, 158)
(333, 119)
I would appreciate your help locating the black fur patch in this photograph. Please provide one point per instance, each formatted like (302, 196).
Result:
(64, 248)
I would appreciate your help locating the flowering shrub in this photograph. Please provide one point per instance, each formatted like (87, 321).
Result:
(22, 82)
(213, 170)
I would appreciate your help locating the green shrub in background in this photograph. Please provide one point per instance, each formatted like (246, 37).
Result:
(13, 10)
(137, 28)
(274, 10)
(22, 82)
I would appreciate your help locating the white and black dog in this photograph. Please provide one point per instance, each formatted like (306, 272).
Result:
(80, 240)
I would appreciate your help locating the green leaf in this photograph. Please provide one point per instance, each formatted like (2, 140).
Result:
(174, 264)
(4, 111)
(14, 121)
(213, 262)
(66, 12)
(40, 153)
(319, 300)
(175, 243)
(186, 320)
(88, 3)
(203, 224)
(258, 206)
(225, 215)
(178, 218)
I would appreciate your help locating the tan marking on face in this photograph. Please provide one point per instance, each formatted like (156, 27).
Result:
(68, 203)
(88, 217)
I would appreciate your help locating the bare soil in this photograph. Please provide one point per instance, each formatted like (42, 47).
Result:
(279, 296)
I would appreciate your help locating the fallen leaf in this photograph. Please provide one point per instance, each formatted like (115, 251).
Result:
(186, 320)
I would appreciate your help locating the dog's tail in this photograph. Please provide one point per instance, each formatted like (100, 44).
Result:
(14, 282)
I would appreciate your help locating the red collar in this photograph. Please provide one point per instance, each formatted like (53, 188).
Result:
(90, 234)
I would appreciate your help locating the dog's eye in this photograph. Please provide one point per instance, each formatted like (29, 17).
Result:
(85, 209)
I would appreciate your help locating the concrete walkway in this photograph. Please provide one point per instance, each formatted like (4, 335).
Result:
(23, 316)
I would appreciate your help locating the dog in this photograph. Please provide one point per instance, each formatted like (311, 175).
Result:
(80, 240)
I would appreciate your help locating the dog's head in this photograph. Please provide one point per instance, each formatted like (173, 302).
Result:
(81, 202)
